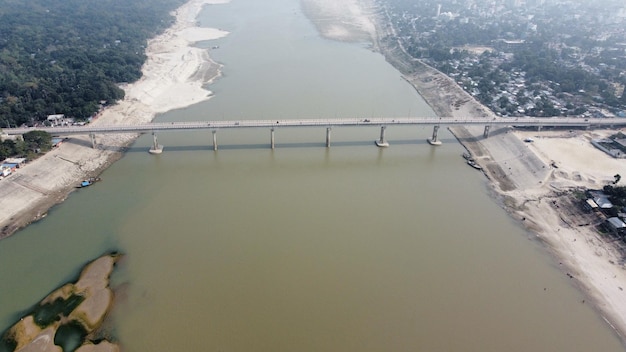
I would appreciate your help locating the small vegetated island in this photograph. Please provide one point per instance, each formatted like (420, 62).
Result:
(68, 319)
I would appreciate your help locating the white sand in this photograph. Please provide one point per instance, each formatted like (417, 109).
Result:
(174, 76)
(345, 20)
(595, 263)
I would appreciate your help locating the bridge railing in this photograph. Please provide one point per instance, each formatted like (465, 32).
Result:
(337, 122)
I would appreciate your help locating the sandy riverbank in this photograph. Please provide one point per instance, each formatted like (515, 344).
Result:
(173, 77)
(521, 174)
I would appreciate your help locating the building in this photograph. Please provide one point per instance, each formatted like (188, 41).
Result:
(616, 225)
(55, 118)
(590, 204)
(5, 137)
(605, 145)
(603, 202)
(18, 161)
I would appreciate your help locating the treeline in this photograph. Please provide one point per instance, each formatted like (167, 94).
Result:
(65, 56)
(33, 143)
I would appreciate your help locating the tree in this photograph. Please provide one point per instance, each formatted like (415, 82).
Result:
(38, 141)
(9, 148)
(617, 178)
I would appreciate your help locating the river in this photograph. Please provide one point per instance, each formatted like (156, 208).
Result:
(304, 248)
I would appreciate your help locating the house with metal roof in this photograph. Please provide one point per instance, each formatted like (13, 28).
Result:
(603, 202)
(616, 225)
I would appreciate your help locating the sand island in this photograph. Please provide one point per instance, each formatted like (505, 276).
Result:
(68, 317)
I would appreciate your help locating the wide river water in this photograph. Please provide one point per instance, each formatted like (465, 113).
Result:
(304, 248)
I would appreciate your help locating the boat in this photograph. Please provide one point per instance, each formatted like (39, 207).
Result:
(473, 164)
(467, 156)
(88, 182)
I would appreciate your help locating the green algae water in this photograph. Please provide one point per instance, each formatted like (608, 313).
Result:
(303, 248)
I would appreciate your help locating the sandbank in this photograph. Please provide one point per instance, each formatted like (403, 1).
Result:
(93, 287)
(174, 76)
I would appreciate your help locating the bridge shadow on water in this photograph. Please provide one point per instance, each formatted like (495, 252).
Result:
(293, 145)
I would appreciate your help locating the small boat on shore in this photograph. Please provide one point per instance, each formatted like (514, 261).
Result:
(473, 164)
(88, 182)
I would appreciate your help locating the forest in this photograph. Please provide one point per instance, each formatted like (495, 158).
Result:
(69, 56)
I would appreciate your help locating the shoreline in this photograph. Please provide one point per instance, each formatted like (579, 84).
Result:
(174, 76)
(527, 185)
(521, 176)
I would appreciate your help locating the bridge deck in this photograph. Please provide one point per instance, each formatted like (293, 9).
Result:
(358, 122)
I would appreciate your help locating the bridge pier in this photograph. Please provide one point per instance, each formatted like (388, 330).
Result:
(328, 129)
(156, 147)
(93, 140)
(214, 140)
(486, 131)
(381, 142)
(433, 140)
(272, 138)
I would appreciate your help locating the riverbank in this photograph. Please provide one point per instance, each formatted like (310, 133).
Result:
(531, 189)
(174, 75)
(522, 175)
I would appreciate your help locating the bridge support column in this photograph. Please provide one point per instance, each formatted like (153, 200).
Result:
(381, 142)
(156, 147)
(215, 140)
(93, 140)
(328, 129)
(486, 131)
(433, 140)
(272, 138)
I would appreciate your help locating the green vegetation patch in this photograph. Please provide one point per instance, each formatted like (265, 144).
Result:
(70, 336)
(48, 313)
(7, 344)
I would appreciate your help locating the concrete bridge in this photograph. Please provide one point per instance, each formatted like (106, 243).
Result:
(382, 122)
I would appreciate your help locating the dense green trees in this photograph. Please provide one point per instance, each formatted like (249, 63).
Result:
(617, 194)
(34, 142)
(65, 56)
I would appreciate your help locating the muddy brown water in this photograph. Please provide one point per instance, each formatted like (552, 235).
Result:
(352, 248)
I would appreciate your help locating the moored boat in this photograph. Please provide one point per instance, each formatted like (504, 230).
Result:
(88, 182)
(473, 164)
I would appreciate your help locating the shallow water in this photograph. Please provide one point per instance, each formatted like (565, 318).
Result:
(303, 247)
